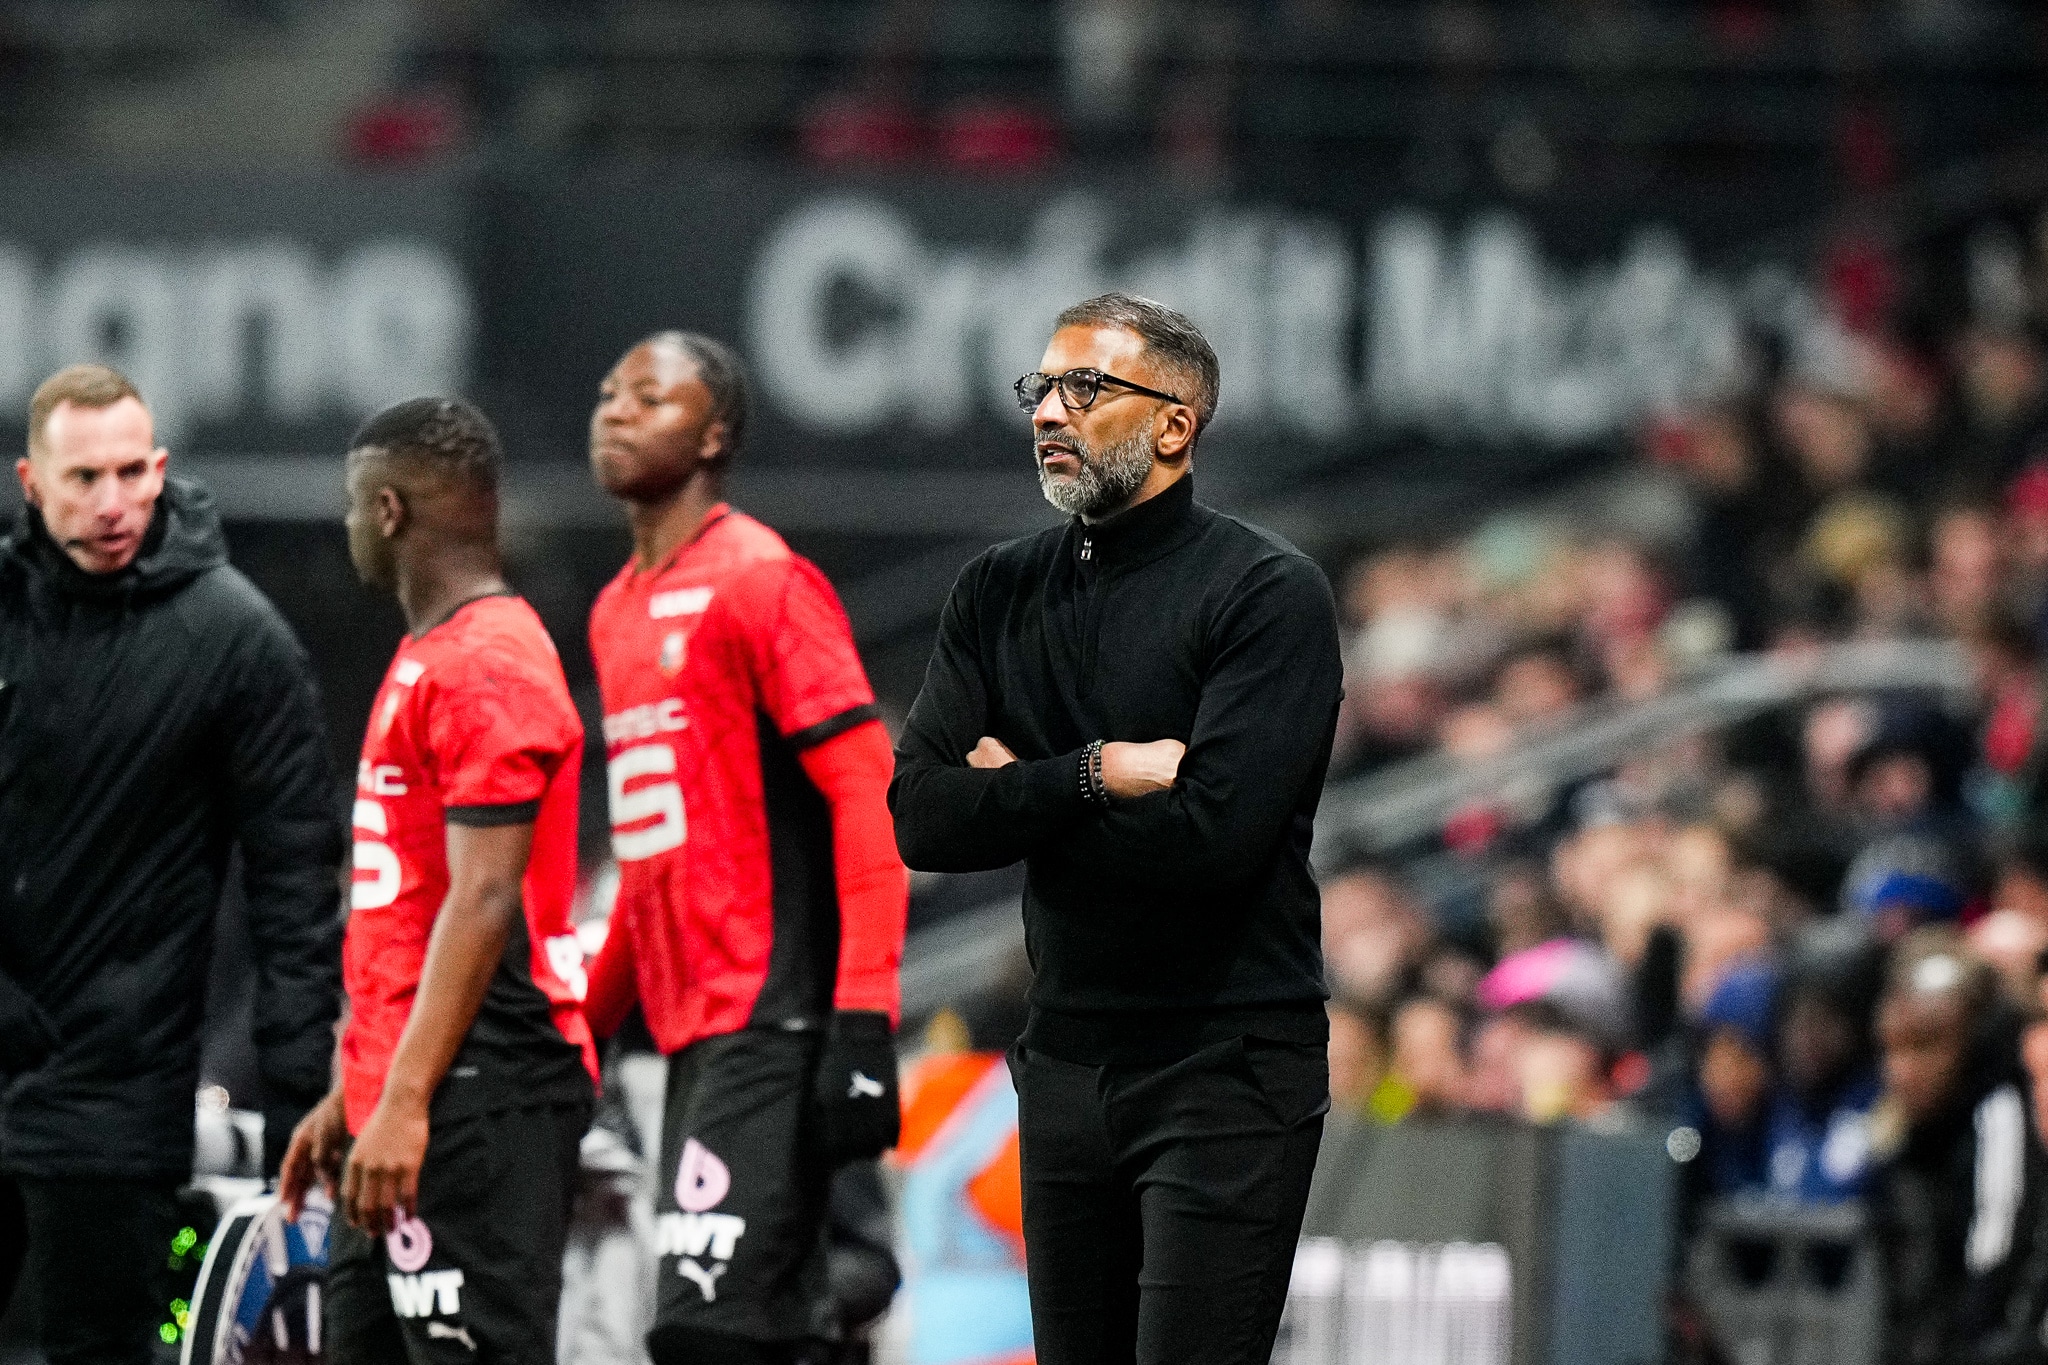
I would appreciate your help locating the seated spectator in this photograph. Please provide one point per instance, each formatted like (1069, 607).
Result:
(1564, 1070)
(1587, 863)
(1562, 1020)
(2013, 937)
(1902, 883)
(1907, 776)
(2005, 656)
(2004, 373)
(1521, 912)
(1819, 1138)
(1538, 684)
(2014, 943)
(1362, 1082)
(1429, 1063)
(1373, 935)
(1968, 568)
(1731, 1101)
(2026, 534)
(2022, 884)
(1958, 1201)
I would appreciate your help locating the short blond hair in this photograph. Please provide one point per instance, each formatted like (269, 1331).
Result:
(89, 386)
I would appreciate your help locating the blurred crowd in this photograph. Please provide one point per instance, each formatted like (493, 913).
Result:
(1809, 946)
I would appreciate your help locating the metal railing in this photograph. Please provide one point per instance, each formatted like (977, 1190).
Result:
(1410, 801)
(1788, 1285)
(1396, 808)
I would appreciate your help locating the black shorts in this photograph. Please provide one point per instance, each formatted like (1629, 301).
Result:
(743, 1199)
(477, 1273)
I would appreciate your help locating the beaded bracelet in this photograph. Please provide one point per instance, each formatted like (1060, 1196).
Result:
(1092, 789)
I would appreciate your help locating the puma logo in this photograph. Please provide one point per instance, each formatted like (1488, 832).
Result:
(461, 1334)
(705, 1280)
(865, 1086)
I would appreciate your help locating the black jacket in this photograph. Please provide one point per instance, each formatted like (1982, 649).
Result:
(1176, 919)
(1958, 1216)
(150, 720)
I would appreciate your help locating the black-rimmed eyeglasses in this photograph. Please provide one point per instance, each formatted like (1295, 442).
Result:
(1078, 388)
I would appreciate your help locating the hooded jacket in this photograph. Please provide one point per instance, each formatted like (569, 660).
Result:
(1958, 1219)
(150, 721)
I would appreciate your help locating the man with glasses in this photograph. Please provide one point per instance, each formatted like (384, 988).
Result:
(1139, 705)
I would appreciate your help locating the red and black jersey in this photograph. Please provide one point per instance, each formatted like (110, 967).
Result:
(758, 875)
(474, 726)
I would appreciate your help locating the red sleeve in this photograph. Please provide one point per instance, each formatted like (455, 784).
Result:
(613, 986)
(799, 648)
(497, 734)
(852, 770)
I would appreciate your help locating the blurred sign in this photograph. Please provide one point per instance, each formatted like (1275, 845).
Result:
(964, 1300)
(1481, 1243)
(885, 318)
(1396, 1303)
(263, 328)
(1476, 332)
(267, 314)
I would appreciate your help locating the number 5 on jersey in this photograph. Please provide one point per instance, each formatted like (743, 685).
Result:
(661, 803)
(378, 875)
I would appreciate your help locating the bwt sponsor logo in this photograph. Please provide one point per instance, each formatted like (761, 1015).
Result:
(437, 1292)
(263, 328)
(1472, 332)
(702, 1242)
(693, 1234)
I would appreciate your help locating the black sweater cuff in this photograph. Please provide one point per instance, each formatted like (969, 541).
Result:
(1053, 784)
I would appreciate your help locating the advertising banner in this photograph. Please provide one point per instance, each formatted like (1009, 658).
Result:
(261, 314)
(885, 318)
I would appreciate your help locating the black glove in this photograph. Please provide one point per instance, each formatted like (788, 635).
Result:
(859, 1111)
(26, 1036)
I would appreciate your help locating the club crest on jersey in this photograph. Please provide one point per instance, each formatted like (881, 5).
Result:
(672, 647)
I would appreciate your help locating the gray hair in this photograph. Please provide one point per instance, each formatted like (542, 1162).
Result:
(1170, 336)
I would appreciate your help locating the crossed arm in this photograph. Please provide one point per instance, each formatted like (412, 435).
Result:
(1127, 769)
(1196, 816)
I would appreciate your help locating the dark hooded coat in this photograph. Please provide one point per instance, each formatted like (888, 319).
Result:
(150, 721)
(1958, 1217)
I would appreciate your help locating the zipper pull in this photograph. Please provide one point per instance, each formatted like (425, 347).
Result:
(1087, 548)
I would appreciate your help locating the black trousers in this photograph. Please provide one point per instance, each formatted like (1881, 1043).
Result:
(741, 1204)
(96, 1264)
(1162, 1203)
(476, 1274)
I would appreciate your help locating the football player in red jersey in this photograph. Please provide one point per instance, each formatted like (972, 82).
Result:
(464, 1071)
(761, 900)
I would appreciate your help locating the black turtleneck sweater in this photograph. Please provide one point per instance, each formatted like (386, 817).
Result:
(1174, 920)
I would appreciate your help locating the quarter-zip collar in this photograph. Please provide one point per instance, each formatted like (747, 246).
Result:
(1138, 533)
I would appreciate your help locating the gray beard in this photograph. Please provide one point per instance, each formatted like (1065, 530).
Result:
(1107, 480)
